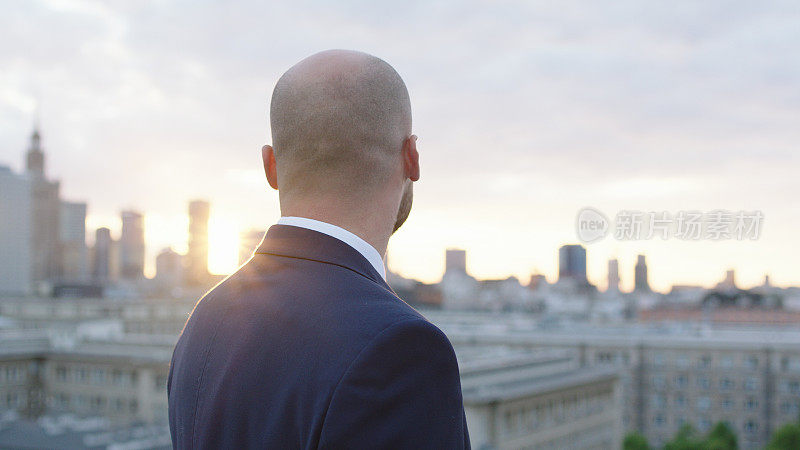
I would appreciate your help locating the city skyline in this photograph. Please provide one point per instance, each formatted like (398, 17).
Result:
(220, 249)
(552, 109)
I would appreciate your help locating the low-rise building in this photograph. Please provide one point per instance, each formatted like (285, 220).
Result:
(670, 375)
(538, 400)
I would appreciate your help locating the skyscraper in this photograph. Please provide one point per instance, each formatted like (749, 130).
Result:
(46, 209)
(455, 260)
(197, 256)
(572, 263)
(15, 233)
(613, 276)
(101, 261)
(169, 269)
(74, 254)
(729, 283)
(131, 243)
(640, 275)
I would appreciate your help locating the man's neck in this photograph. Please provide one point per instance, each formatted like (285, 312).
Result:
(361, 224)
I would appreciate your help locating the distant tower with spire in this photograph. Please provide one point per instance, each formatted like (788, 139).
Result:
(34, 163)
(46, 206)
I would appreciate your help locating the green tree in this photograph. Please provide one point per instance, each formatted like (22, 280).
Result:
(685, 439)
(635, 441)
(721, 437)
(786, 437)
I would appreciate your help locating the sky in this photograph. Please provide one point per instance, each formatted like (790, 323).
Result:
(526, 112)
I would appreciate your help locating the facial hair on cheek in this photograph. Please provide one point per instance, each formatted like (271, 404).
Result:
(405, 206)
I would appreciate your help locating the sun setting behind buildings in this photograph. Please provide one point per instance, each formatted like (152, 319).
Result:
(172, 231)
(223, 245)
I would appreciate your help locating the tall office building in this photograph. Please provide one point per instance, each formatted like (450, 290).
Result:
(455, 260)
(74, 253)
(169, 269)
(572, 263)
(15, 233)
(458, 289)
(197, 256)
(613, 276)
(46, 210)
(248, 242)
(101, 256)
(131, 245)
(729, 283)
(640, 275)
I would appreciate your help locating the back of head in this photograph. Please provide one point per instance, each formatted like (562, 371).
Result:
(339, 119)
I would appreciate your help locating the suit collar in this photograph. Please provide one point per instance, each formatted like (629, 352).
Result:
(296, 242)
(362, 246)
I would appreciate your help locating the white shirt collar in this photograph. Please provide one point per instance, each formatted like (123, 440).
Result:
(362, 246)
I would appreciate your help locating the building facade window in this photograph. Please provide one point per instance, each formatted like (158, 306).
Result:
(751, 384)
(727, 361)
(727, 402)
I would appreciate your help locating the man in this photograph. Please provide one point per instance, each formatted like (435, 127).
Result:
(306, 346)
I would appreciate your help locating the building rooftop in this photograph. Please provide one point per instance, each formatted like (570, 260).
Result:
(470, 328)
(525, 387)
(491, 374)
(70, 432)
(26, 343)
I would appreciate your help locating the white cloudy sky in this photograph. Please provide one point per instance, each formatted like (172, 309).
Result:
(526, 112)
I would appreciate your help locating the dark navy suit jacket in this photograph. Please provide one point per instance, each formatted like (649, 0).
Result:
(306, 346)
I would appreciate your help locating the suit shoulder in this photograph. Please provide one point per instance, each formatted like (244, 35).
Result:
(411, 337)
(414, 323)
(402, 391)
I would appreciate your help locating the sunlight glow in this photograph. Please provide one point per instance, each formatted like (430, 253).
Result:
(223, 246)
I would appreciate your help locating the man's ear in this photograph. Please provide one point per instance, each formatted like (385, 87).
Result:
(411, 158)
(270, 166)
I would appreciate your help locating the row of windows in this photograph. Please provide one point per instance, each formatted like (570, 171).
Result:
(706, 361)
(529, 418)
(102, 376)
(95, 376)
(703, 403)
(13, 400)
(93, 403)
(789, 386)
(705, 382)
(750, 362)
(703, 424)
(13, 373)
(144, 312)
(790, 407)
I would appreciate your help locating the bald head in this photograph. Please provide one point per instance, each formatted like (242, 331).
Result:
(339, 120)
